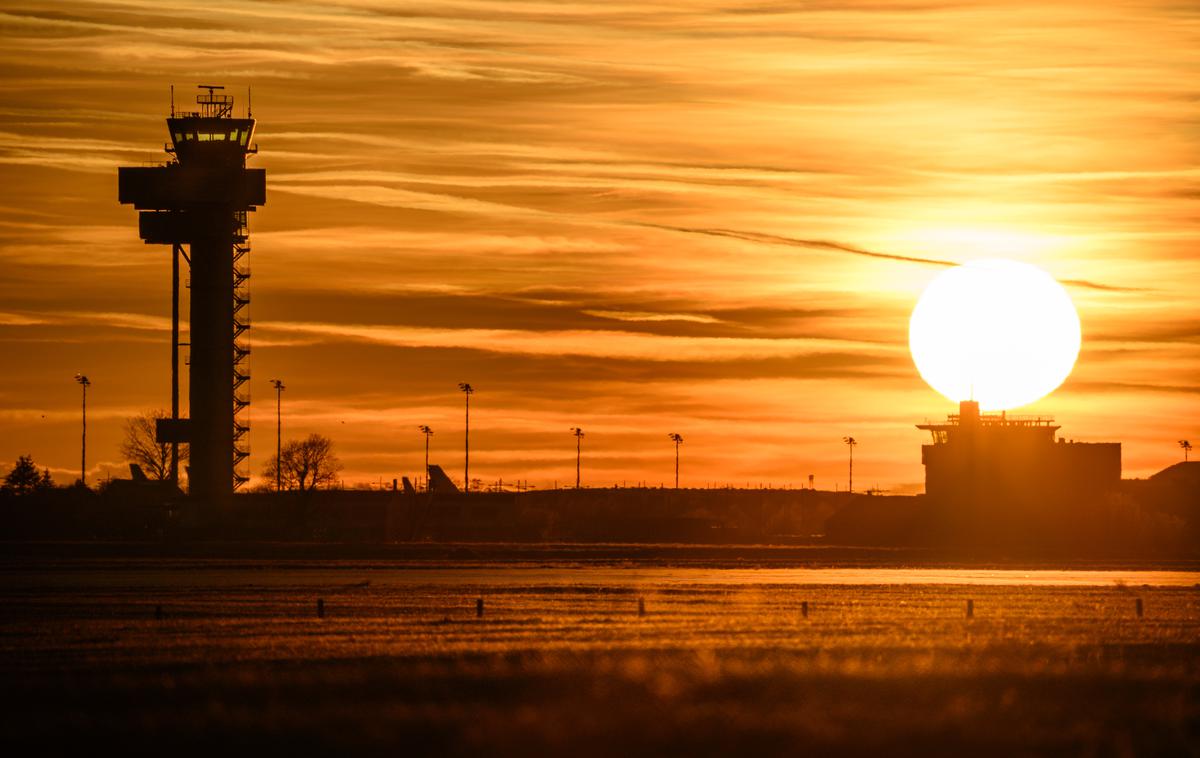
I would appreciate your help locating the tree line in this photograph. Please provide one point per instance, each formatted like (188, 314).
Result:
(302, 465)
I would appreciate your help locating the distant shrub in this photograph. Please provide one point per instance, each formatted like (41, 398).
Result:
(25, 478)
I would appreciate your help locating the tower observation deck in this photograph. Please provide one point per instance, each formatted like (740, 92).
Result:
(199, 199)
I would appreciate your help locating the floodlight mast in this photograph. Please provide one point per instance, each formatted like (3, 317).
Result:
(467, 391)
(578, 451)
(678, 440)
(428, 433)
(279, 388)
(850, 443)
(84, 383)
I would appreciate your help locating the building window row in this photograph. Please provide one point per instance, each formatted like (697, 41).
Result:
(238, 136)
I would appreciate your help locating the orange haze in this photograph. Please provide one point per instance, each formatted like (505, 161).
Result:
(635, 218)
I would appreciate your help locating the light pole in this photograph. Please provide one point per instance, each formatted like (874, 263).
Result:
(578, 449)
(85, 383)
(850, 443)
(279, 388)
(428, 433)
(467, 391)
(1187, 448)
(678, 440)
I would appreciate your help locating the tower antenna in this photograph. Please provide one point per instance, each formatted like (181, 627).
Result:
(172, 101)
(249, 105)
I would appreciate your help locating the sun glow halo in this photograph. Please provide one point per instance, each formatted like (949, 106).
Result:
(998, 331)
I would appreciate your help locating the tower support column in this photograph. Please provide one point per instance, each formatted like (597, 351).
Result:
(210, 390)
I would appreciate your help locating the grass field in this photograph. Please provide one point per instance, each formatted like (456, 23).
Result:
(722, 663)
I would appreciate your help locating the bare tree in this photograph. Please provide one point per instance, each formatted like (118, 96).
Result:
(141, 447)
(305, 464)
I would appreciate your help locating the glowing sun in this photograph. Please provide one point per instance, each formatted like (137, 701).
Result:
(997, 331)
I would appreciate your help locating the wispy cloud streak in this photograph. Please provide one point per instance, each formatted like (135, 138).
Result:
(840, 247)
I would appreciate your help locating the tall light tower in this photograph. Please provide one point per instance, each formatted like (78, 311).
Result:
(467, 391)
(428, 433)
(200, 199)
(578, 451)
(850, 443)
(279, 388)
(84, 383)
(678, 440)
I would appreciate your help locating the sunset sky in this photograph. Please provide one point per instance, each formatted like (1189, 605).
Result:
(704, 218)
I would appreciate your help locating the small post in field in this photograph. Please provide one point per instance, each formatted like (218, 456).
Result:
(641, 606)
(1138, 606)
(320, 608)
(479, 608)
(970, 609)
(804, 609)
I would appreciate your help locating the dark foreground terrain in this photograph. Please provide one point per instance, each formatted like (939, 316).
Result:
(723, 662)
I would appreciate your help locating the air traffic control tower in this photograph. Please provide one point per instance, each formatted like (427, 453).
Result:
(199, 199)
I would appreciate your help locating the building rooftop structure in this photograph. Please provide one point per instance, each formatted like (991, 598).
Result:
(995, 460)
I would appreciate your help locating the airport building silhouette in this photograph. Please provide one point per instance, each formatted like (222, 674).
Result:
(1005, 460)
